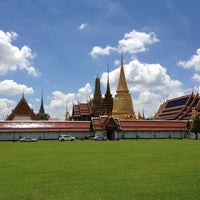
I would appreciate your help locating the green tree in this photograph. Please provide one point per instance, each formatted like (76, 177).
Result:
(195, 126)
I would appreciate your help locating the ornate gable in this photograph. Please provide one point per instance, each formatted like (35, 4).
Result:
(111, 124)
(22, 111)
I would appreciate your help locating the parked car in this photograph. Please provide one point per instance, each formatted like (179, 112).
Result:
(98, 137)
(66, 138)
(28, 139)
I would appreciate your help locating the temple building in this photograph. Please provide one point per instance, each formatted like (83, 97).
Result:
(81, 112)
(96, 107)
(180, 108)
(23, 112)
(122, 104)
(102, 106)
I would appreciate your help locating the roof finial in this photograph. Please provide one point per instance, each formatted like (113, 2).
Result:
(108, 94)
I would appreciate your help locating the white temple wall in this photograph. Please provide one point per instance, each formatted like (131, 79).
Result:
(150, 134)
(82, 135)
(42, 135)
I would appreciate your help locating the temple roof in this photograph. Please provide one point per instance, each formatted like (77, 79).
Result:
(38, 126)
(180, 108)
(105, 122)
(22, 110)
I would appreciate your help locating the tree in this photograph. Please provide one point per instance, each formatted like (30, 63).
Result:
(195, 126)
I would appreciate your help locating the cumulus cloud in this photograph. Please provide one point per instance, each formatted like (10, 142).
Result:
(12, 57)
(135, 42)
(132, 43)
(9, 87)
(194, 62)
(60, 101)
(83, 26)
(99, 51)
(196, 77)
(147, 83)
(147, 103)
(84, 93)
(5, 106)
(141, 76)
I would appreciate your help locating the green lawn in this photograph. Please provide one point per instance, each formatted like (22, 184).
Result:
(89, 170)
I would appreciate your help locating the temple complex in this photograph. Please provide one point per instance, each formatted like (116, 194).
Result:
(180, 108)
(103, 116)
(122, 104)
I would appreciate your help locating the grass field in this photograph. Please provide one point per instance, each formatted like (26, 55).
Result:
(89, 170)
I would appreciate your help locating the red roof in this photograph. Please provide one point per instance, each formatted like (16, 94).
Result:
(154, 125)
(101, 123)
(36, 126)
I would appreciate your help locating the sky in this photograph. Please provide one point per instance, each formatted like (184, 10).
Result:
(60, 47)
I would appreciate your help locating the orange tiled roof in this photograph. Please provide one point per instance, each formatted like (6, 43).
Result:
(36, 126)
(101, 123)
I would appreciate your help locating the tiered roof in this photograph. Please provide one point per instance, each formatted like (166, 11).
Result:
(81, 111)
(180, 108)
(22, 111)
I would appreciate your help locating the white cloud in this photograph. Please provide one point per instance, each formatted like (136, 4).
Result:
(147, 102)
(147, 83)
(84, 93)
(83, 26)
(5, 106)
(13, 58)
(132, 43)
(142, 76)
(9, 87)
(135, 42)
(98, 51)
(59, 101)
(196, 77)
(194, 61)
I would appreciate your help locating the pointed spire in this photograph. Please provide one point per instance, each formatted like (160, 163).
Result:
(122, 85)
(108, 94)
(97, 91)
(42, 104)
(66, 114)
(122, 104)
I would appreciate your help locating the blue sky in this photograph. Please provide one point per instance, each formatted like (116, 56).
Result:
(61, 46)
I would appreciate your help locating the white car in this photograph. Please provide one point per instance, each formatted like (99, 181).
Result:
(28, 139)
(98, 137)
(66, 138)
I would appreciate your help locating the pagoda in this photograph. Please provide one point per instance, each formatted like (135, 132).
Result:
(102, 106)
(97, 99)
(122, 104)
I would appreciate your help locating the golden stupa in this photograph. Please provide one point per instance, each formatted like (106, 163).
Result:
(122, 103)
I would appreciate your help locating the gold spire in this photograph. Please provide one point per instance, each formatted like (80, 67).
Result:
(122, 85)
(122, 104)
